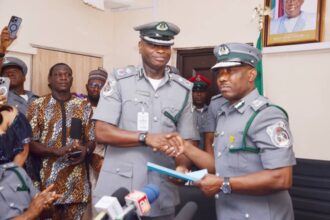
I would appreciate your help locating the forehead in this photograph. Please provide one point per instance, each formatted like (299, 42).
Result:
(96, 81)
(233, 68)
(61, 68)
(11, 69)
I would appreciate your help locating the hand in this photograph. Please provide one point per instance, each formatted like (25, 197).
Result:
(177, 181)
(5, 40)
(43, 200)
(210, 184)
(62, 151)
(78, 147)
(176, 141)
(3, 99)
(165, 142)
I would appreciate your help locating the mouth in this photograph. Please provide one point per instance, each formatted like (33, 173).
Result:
(160, 59)
(225, 88)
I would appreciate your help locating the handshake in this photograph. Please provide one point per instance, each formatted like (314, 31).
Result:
(172, 144)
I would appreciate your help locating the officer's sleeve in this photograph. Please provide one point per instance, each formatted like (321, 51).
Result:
(211, 118)
(271, 133)
(187, 124)
(109, 106)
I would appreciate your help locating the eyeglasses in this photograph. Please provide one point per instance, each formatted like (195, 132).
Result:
(95, 85)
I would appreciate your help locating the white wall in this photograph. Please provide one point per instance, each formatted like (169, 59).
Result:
(297, 81)
(62, 24)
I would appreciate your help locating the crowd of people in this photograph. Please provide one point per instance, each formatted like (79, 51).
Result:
(139, 114)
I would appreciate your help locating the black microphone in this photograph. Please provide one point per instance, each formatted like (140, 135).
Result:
(187, 212)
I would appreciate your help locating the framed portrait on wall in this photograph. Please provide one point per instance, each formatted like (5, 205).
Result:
(293, 22)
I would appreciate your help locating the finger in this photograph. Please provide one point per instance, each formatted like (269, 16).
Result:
(48, 189)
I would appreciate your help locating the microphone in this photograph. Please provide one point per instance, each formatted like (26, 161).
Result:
(139, 202)
(187, 212)
(111, 206)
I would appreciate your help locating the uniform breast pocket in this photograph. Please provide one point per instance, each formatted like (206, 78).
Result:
(130, 109)
(16, 199)
(170, 117)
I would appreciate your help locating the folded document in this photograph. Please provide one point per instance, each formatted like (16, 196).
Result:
(192, 176)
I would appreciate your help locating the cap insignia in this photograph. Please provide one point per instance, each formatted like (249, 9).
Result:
(223, 50)
(162, 27)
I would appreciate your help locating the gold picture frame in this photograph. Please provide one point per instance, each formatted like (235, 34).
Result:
(293, 22)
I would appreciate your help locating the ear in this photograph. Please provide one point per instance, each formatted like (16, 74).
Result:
(140, 45)
(252, 74)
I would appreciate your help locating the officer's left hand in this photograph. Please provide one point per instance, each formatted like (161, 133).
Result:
(210, 184)
(177, 181)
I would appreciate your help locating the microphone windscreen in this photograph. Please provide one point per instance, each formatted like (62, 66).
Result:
(187, 212)
(152, 192)
(120, 195)
(76, 128)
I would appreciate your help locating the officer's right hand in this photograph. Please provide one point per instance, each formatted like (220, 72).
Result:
(43, 201)
(161, 142)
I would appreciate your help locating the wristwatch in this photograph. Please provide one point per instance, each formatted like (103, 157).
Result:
(142, 137)
(226, 188)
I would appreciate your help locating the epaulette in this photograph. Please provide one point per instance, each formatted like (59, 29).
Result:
(8, 165)
(216, 97)
(259, 103)
(122, 73)
(182, 81)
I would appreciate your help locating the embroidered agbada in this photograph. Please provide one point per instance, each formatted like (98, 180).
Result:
(46, 116)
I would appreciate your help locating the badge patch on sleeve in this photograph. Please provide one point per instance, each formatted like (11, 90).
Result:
(108, 88)
(279, 134)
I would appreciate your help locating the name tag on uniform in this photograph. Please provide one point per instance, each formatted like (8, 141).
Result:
(142, 121)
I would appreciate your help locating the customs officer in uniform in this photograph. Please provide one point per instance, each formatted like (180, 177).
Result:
(200, 89)
(253, 145)
(139, 110)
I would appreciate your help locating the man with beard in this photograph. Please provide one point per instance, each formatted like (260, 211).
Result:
(96, 80)
(63, 159)
(140, 110)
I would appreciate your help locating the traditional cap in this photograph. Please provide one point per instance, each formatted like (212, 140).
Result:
(14, 62)
(158, 33)
(236, 54)
(201, 83)
(100, 73)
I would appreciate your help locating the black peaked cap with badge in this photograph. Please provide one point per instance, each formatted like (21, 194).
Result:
(236, 54)
(159, 33)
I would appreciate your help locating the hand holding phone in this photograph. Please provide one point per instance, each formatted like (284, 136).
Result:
(13, 26)
(75, 154)
(4, 86)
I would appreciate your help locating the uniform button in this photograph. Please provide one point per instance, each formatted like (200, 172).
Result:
(156, 95)
(1, 188)
(247, 215)
(222, 133)
(217, 174)
(213, 145)
(11, 204)
(216, 134)
(155, 119)
(117, 170)
(216, 196)
(231, 146)
(219, 154)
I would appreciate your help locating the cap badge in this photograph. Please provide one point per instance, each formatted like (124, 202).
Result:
(223, 50)
(162, 27)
